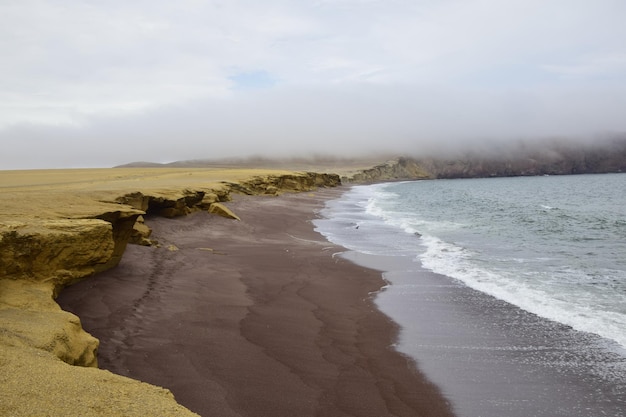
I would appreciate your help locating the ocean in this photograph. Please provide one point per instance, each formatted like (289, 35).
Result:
(510, 292)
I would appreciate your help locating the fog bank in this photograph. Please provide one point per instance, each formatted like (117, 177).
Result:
(89, 84)
(347, 122)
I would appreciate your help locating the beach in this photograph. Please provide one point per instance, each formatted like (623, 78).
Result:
(252, 318)
(494, 290)
(307, 305)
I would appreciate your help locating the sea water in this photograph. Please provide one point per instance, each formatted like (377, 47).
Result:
(510, 292)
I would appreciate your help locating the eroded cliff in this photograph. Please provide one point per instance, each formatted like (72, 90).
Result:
(50, 239)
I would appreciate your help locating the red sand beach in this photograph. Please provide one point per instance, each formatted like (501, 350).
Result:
(253, 318)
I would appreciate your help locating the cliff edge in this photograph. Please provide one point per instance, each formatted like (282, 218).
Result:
(58, 227)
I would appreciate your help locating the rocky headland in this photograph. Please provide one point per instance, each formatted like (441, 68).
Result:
(521, 159)
(61, 226)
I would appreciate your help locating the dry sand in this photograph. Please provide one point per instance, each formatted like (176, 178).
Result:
(34, 195)
(253, 318)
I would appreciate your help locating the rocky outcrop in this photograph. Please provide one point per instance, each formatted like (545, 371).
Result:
(39, 258)
(56, 251)
(141, 233)
(222, 210)
(165, 204)
(64, 250)
(276, 184)
(122, 224)
(29, 317)
(393, 170)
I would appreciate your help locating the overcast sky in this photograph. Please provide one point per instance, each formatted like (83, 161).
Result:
(100, 83)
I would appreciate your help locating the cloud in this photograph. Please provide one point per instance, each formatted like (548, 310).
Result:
(103, 83)
(598, 66)
(331, 121)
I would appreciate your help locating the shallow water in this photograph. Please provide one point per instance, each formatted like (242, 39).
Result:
(511, 292)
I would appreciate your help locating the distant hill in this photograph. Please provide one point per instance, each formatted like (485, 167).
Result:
(552, 157)
(141, 164)
(522, 159)
(341, 166)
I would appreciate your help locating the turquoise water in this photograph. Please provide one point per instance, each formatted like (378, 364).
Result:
(533, 265)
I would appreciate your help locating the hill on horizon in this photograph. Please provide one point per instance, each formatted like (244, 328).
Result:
(555, 157)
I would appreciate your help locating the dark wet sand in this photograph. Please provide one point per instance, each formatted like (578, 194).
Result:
(253, 318)
(493, 359)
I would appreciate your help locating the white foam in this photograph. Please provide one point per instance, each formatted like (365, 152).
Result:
(457, 262)
(384, 229)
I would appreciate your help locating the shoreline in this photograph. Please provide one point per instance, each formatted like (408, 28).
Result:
(490, 357)
(36, 378)
(253, 317)
(59, 227)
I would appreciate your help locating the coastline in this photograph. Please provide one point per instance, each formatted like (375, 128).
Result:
(491, 358)
(48, 211)
(253, 317)
(58, 227)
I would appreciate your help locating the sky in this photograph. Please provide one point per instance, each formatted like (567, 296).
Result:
(86, 83)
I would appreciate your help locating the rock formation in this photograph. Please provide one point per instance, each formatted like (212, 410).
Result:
(140, 234)
(275, 184)
(57, 251)
(29, 317)
(396, 169)
(222, 210)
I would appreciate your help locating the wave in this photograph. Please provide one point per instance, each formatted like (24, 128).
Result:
(371, 220)
(581, 314)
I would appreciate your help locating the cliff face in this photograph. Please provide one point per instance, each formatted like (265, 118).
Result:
(553, 158)
(29, 317)
(69, 240)
(61, 251)
(276, 184)
(568, 161)
(55, 250)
